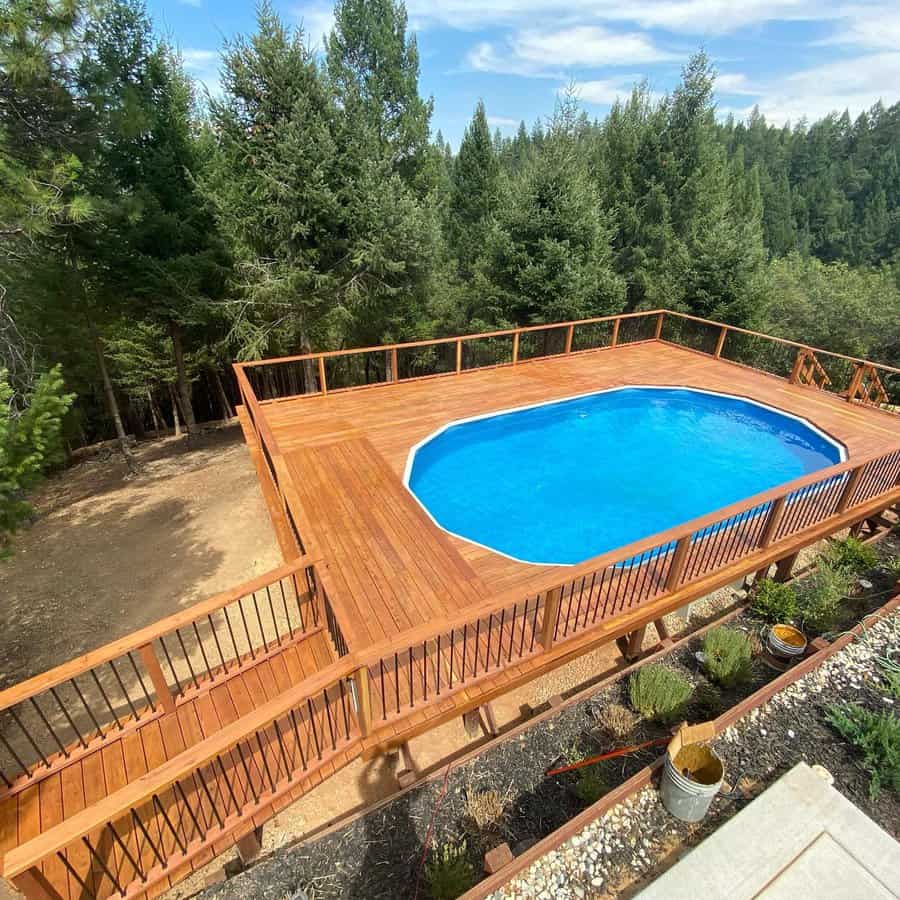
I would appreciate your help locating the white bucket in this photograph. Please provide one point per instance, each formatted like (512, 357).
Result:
(690, 781)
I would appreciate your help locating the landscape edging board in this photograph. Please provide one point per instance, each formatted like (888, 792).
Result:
(642, 778)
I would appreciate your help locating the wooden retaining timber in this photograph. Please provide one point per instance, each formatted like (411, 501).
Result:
(381, 626)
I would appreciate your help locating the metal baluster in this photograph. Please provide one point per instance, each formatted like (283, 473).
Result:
(312, 725)
(136, 820)
(227, 780)
(240, 605)
(134, 863)
(299, 740)
(109, 705)
(30, 739)
(202, 650)
(95, 856)
(272, 613)
(212, 628)
(287, 615)
(131, 706)
(140, 679)
(262, 633)
(161, 810)
(178, 686)
(53, 734)
(187, 658)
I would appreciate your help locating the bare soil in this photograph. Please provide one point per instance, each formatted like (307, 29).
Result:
(107, 553)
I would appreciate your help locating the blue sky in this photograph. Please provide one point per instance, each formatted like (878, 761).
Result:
(791, 57)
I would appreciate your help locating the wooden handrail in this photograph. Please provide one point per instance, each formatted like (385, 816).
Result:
(779, 340)
(431, 342)
(134, 641)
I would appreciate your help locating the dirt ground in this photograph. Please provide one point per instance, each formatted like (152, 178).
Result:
(108, 554)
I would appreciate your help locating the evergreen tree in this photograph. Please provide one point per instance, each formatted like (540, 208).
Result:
(474, 193)
(548, 258)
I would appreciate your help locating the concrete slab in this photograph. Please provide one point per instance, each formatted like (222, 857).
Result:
(801, 838)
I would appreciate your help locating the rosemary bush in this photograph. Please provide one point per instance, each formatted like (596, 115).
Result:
(774, 602)
(448, 872)
(851, 555)
(877, 736)
(659, 693)
(728, 656)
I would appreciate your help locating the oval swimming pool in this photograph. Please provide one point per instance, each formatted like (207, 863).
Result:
(565, 481)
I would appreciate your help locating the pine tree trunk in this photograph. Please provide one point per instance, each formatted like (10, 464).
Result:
(153, 414)
(227, 411)
(112, 404)
(136, 417)
(184, 386)
(176, 422)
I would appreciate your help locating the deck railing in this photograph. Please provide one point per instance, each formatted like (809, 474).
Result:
(51, 719)
(203, 797)
(311, 374)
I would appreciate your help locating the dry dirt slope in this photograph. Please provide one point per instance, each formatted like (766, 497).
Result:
(107, 555)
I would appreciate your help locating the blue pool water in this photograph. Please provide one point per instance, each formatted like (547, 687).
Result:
(566, 481)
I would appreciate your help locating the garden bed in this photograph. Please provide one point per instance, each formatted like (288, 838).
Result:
(381, 853)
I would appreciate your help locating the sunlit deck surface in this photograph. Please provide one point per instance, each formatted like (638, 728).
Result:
(393, 568)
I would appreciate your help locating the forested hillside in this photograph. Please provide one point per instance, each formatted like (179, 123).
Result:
(151, 234)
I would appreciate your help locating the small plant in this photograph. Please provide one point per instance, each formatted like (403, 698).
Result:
(890, 673)
(877, 737)
(774, 602)
(820, 596)
(728, 655)
(892, 568)
(851, 555)
(448, 872)
(485, 811)
(616, 720)
(659, 693)
(591, 785)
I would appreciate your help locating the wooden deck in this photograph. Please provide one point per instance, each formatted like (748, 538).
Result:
(380, 625)
(347, 452)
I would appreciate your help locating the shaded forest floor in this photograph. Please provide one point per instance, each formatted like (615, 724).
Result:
(107, 554)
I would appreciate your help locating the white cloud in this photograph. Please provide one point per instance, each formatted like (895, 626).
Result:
(203, 66)
(317, 21)
(502, 122)
(735, 83)
(876, 27)
(697, 17)
(545, 53)
(853, 84)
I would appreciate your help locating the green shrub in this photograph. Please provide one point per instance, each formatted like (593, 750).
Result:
(449, 873)
(591, 785)
(851, 555)
(773, 601)
(877, 737)
(890, 673)
(728, 655)
(821, 595)
(659, 693)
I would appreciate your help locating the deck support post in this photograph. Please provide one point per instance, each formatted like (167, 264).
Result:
(515, 350)
(570, 333)
(35, 886)
(673, 579)
(395, 375)
(660, 319)
(856, 528)
(849, 490)
(363, 700)
(784, 566)
(615, 333)
(154, 670)
(458, 357)
(630, 644)
(720, 343)
(551, 614)
(249, 845)
(662, 630)
(323, 385)
(775, 515)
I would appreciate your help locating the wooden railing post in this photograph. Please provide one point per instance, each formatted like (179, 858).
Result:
(551, 611)
(323, 385)
(776, 514)
(458, 357)
(395, 375)
(363, 700)
(660, 319)
(154, 670)
(673, 579)
(515, 355)
(720, 343)
(615, 334)
(570, 333)
(849, 489)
